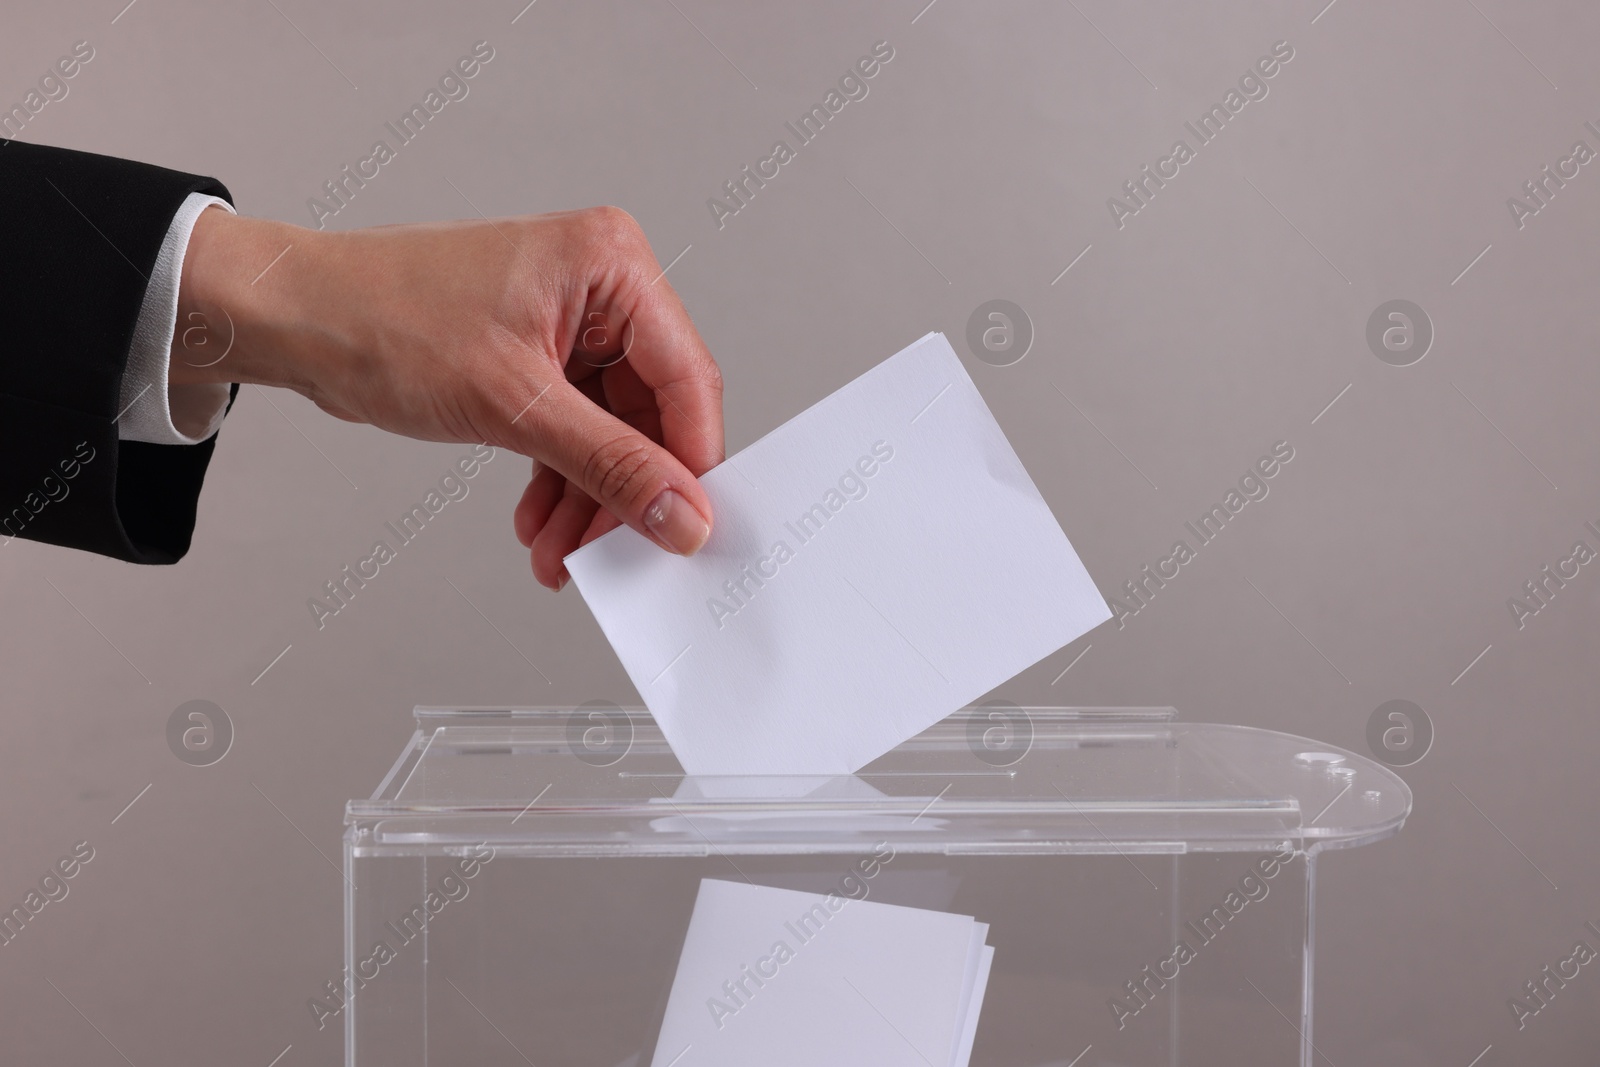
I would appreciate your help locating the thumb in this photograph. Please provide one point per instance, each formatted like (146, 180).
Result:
(620, 468)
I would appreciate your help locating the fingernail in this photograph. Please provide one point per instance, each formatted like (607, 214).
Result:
(675, 523)
(561, 582)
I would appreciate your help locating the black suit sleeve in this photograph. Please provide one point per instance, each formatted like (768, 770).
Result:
(82, 233)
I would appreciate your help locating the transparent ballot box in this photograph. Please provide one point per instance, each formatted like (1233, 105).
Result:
(520, 890)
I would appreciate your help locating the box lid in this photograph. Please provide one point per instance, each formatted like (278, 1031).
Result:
(993, 779)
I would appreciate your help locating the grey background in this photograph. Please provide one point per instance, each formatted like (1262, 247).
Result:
(1221, 319)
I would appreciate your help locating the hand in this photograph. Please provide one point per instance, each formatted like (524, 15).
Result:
(555, 336)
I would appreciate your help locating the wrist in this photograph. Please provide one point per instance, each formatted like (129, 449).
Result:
(239, 301)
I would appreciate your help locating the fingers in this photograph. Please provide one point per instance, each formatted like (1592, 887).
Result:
(550, 502)
(632, 401)
(633, 350)
(538, 501)
(633, 477)
(669, 357)
(560, 535)
(541, 501)
(604, 522)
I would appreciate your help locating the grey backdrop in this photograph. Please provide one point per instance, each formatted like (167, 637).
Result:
(1223, 317)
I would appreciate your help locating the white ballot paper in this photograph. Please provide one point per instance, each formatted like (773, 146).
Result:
(787, 979)
(877, 562)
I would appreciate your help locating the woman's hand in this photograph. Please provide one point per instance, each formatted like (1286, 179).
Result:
(555, 336)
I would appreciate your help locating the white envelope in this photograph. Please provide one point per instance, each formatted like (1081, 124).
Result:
(877, 562)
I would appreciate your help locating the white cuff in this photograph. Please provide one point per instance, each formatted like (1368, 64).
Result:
(152, 410)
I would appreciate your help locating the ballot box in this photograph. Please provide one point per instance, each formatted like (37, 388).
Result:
(530, 886)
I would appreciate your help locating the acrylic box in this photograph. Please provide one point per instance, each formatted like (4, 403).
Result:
(519, 887)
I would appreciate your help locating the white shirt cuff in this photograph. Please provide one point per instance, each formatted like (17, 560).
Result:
(153, 410)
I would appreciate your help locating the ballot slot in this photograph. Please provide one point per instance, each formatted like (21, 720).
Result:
(1144, 885)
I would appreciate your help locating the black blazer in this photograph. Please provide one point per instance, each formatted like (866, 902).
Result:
(81, 236)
